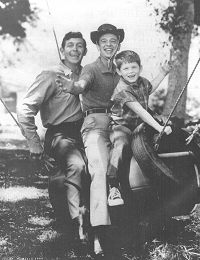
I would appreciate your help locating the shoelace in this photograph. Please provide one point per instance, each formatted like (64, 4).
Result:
(115, 194)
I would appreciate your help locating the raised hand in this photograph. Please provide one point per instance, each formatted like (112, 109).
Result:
(168, 65)
(64, 82)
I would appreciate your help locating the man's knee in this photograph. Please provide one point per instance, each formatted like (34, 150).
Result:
(62, 147)
(56, 183)
(75, 171)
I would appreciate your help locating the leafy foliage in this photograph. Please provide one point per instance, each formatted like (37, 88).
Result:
(171, 19)
(13, 16)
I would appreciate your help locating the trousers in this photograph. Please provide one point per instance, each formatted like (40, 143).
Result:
(95, 134)
(120, 153)
(63, 144)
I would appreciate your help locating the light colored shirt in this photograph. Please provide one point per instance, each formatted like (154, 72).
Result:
(101, 82)
(55, 105)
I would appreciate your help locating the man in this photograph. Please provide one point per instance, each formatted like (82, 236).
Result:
(96, 84)
(62, 116)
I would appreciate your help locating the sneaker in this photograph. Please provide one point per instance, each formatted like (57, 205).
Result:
(114, 198)
(97, 246)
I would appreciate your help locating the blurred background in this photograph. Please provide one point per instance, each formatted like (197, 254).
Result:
(28, 45)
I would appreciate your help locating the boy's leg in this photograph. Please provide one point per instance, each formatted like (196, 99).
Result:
(120, 155)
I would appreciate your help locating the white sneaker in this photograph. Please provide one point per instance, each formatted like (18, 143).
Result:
(97, 246)
(114, 198)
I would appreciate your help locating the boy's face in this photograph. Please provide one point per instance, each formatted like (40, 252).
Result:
(74, 50)
(130, 71)
(108, 45)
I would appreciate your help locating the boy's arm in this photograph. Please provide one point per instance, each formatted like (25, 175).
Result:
(146, 117)
(164, 70)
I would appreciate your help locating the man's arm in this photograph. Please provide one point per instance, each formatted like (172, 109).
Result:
(146, 117)
(70, 86)
(40, 90)
(76, 87)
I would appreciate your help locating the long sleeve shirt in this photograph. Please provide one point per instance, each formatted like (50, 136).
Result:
(55, 105)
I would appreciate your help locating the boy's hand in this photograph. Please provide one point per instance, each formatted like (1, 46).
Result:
(168, 130)
(168, 65)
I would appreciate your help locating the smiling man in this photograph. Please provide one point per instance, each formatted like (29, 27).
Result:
(62, 116)
(96, 84)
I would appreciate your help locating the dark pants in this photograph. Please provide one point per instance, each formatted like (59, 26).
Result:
(120, 154)
(63, 144)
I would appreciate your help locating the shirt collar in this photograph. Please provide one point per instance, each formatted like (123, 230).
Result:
(67, 71)
(103, 68)
(135, 84)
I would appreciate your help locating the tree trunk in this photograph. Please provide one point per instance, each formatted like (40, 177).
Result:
(178, 76)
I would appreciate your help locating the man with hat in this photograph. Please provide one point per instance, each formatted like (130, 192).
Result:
(96, 85)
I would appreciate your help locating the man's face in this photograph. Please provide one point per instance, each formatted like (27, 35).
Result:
(74, 50)
(108, 45)
(130, 71)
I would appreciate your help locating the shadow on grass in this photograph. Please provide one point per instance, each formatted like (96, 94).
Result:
(26, 221)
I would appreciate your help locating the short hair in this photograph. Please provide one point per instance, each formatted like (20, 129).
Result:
(127, 57)
(70, 35)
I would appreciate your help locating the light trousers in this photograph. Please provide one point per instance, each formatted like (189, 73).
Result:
(95, 133)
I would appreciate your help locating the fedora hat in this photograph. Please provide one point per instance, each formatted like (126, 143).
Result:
(106, 28)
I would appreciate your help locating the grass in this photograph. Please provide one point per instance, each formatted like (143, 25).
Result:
(26, 221)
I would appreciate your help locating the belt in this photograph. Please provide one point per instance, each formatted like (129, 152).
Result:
(96, 110)
(66, 125)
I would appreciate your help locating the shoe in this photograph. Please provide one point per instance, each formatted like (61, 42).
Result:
(97, 246)
(114, 198)
(78, 232)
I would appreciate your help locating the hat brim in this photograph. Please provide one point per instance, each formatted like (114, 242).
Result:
(95, 35)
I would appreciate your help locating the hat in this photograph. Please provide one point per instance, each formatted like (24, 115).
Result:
(106, 28)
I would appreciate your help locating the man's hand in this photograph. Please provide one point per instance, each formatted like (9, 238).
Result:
(69, 86)
(36, 156)
(36, 150)
(65, 83)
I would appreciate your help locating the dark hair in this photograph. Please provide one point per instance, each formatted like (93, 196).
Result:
(70, 35)
(127, 57)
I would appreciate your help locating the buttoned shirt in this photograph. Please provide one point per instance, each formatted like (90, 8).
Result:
(101, 82)
(55, 105)
(129, 92)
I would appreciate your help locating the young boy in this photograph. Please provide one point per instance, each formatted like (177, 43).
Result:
(130, 103)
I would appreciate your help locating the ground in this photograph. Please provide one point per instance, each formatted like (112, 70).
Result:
(26, 218)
